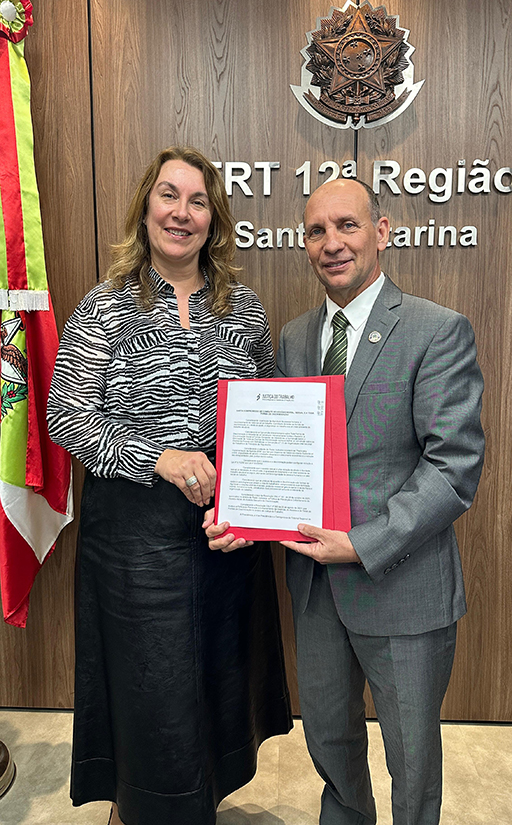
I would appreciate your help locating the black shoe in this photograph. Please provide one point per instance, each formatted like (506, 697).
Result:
(7, 770)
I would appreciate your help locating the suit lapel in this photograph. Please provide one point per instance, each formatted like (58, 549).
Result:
(314, 341)
(382, 319)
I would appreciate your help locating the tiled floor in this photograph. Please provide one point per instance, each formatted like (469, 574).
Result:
(286, 789)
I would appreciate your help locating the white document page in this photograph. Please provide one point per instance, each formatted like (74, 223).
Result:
(273, 457)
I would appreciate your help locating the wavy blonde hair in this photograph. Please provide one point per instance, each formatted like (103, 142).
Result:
(131, 258)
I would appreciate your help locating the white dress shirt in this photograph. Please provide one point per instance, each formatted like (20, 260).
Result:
(357, 313)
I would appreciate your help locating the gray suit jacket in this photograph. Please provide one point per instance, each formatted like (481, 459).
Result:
(415, 449)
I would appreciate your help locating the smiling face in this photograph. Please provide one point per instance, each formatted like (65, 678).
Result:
(178, 218)
(342, 243)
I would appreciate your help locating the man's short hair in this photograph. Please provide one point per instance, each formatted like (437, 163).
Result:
(373, 201)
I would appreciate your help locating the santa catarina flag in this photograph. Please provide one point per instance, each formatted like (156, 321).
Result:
(35, 474)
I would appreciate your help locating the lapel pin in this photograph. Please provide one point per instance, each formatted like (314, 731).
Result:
(374, 337)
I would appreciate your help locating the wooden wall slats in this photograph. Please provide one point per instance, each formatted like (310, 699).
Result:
(36, 664)
(217, 75)
(228, 92)
(466, 102)
(58, 61)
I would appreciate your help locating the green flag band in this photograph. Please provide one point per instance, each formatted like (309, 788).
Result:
(22, 268)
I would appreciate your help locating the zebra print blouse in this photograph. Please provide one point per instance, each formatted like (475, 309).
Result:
(130, 383)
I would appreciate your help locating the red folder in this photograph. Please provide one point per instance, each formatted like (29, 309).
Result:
(336, 500)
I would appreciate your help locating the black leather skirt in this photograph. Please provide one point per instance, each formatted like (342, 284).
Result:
(179, 673)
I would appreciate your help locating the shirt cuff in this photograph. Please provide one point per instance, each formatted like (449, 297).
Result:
(137, 459)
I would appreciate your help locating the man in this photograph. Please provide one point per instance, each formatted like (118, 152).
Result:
(381, 602)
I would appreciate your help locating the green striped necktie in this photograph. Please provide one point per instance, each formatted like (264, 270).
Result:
(336, 357)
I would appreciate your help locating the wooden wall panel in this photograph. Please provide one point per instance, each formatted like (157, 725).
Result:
(463, 51)
(36, 664)
(216, 74)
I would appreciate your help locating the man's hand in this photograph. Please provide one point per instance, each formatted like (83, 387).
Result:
(330, 547)
(228, 542)
(177, 466)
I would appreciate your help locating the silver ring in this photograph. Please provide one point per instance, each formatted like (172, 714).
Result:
(191, 481)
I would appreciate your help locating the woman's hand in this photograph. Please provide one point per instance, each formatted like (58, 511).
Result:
(178, 466)
(228, 542)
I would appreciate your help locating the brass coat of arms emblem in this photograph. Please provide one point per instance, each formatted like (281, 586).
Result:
(358, 71)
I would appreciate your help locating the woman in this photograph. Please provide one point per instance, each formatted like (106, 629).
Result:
(179, 672)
